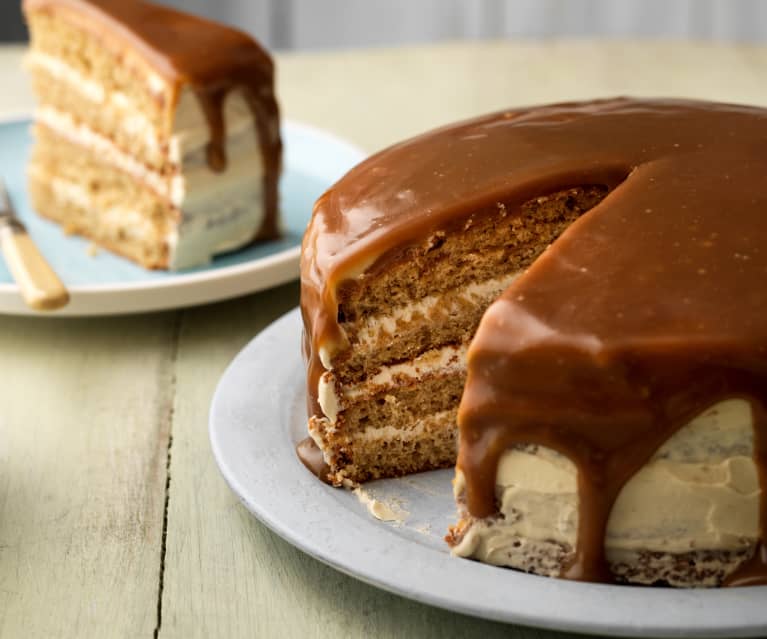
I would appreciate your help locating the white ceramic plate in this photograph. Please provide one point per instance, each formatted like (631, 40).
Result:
(108, 284)
(257, 417)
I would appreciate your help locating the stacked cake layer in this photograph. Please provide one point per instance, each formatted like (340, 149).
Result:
(157, 155)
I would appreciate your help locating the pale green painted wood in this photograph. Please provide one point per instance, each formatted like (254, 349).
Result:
(84, 422)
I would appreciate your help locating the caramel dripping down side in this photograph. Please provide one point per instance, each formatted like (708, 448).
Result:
(640, 317)
(311, 457)
(265, 115)
(608, 407)
(601, 476)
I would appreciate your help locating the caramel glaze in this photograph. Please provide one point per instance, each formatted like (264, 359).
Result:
(211, 58)
(646, 311)
(311, 457)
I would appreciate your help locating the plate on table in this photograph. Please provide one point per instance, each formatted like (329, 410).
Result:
(104, 283)
(253, 435)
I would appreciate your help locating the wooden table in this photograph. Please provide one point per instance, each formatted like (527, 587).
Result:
(114, 520)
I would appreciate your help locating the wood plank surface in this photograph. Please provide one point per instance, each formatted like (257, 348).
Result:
(84, 424)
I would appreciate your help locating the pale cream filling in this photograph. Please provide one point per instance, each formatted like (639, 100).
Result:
(700, 491)
(35, 58)
(129, 118)
(387, 326)
(66, 73)
(378, 326)
(228, 225)
(64, 124)
(415, 431)
(190, 129)
(447, 360)
(373, 434)
(122, 220)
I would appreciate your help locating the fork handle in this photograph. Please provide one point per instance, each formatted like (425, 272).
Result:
(40, 287)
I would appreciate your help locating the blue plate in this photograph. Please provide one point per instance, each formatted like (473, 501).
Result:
(108, 284)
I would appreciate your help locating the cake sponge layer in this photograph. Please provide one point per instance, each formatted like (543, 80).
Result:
(111, 69)
(70, 185)
(109, 114)
(481, 247)
(428, 443)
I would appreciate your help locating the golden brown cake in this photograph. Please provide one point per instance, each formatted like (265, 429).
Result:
(612, 396)
(157, 132)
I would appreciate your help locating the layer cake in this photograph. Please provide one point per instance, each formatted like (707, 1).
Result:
(157, 132)
(585, 281)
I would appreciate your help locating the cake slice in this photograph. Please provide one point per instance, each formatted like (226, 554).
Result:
(157, 132)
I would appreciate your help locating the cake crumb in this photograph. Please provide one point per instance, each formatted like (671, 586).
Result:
(381, 510)
(92, 250)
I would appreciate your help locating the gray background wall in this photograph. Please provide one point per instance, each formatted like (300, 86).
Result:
(314, 24)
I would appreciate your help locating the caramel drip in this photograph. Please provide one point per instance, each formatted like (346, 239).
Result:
(311, 457)
(211, 58)
(212, 103)
(648, 310)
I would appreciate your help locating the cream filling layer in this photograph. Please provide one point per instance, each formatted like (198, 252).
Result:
(378, 326)
(130, 119)
(416, 431)
(386, 326)
(443, 361)
(190, 133)
(700, 491)
(198, 237)
(116, 221)
(171, 188)
(376, 434)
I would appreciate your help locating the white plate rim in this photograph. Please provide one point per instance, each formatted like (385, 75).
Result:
(229, 281)
(631, 611)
